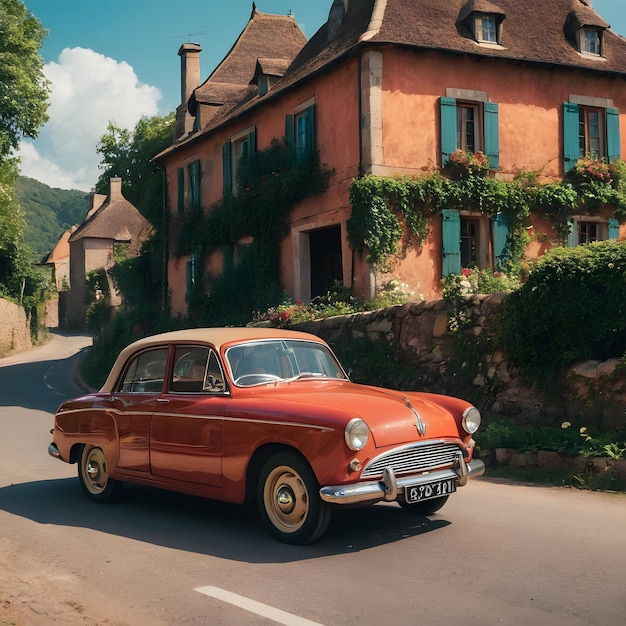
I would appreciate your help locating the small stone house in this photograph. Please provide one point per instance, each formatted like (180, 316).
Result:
(109, 221)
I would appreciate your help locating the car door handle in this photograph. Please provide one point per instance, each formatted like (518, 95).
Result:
(162, 400)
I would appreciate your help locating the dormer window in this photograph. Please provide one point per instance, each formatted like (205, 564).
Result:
(485, 28)
(591, 41)
(584, 29)
(267, 73)
(481, 20)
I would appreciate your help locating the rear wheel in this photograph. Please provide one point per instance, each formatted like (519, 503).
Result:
(427, 507)
(289, 501)
(94, 477)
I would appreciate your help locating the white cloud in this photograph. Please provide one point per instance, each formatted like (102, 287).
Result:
(88, 90)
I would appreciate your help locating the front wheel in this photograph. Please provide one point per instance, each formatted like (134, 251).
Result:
(289, 501)
(427, 507)
(94, 478)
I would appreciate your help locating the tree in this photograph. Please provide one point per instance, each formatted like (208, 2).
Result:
(128, 154)
(23, 87)
(23, 104)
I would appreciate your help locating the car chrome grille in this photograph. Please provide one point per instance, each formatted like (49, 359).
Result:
(411, 459)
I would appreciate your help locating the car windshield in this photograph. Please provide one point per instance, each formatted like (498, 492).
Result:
(279, 360)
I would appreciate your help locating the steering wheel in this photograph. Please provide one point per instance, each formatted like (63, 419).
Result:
(256, 379)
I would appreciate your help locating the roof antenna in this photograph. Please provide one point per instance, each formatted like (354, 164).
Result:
(188, 36)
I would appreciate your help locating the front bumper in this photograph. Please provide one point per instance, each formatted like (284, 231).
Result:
(54, 451)
(389, 487)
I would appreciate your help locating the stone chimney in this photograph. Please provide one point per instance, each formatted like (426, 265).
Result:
(189, 70)
(115, 192)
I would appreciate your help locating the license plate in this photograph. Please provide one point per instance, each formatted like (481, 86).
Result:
(429, 491)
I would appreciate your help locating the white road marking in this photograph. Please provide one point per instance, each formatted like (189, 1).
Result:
(280, 617)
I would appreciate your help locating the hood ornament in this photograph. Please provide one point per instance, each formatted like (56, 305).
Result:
(420, 425)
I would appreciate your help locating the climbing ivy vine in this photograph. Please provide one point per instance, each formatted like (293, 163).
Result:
(391, 214)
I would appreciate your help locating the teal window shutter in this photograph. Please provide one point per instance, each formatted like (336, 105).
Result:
(500, 238)
(289, 130)
(613, 227)
(572, 238)
(571, 147)
(227, 168)
(613, 142)
(181, 189)
(492, 138)
(451, 235)
(448, 128)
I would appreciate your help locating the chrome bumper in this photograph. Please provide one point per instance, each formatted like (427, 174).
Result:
(54, 451)
(389, 487)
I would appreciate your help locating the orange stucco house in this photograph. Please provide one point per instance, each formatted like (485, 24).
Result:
(394, 87)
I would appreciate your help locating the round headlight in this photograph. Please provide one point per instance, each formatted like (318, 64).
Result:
(357, 434)
(471, 419)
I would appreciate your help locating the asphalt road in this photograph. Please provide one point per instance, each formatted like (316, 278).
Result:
(497, 553)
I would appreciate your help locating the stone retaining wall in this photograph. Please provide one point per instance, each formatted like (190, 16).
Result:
(14, 328)
(418, 336)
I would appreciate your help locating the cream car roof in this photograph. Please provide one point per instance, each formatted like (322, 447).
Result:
(214, 336)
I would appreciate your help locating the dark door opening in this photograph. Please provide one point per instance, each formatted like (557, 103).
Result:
(326, 267)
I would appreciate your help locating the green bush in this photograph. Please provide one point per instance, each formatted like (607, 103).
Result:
(571, 308)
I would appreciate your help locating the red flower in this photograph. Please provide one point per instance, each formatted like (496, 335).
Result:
(466, 271)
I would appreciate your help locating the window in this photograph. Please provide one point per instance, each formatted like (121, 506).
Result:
(591, 41)
(587, 230)
(196, 369)
(240, 147)
(472, 241)
(145, 373)
(591, 133)
(300, 131)
(591, 128)
(190, 268)
(194, 184)
(469, 125)
(485, 28)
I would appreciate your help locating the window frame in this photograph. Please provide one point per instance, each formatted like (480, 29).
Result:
(583, 41)
(606, 229)
(480, 31)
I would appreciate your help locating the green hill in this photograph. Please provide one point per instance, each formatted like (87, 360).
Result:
(49, 213)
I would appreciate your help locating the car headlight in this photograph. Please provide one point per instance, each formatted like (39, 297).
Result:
(357, 434)
(471, 419)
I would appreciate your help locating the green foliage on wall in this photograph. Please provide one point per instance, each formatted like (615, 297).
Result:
(391, 214)
(571, 308)
(248, 228)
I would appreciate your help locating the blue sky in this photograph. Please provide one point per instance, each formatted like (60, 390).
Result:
(116, 60)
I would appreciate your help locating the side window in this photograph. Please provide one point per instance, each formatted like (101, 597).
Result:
(585, 230)
(472, 241)
(145, 372)
(469, 126)
(234, 151)
(196, 370)
(194, 184)
(592, 131)
(300, 132)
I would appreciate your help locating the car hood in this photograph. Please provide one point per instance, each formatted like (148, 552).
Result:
(393, 416)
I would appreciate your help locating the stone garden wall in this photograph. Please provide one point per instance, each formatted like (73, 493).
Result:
(419, 337)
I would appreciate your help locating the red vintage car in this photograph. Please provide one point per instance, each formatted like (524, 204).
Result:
(240, 413)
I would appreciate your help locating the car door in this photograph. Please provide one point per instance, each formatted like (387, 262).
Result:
(133, 404)
(186, 434)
